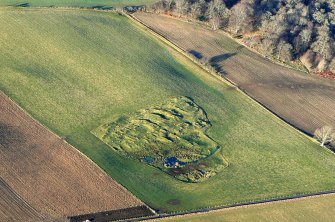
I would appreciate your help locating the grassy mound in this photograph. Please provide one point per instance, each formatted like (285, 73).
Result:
(170, 137)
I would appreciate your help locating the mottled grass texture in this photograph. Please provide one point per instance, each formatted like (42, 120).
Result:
(171, 137)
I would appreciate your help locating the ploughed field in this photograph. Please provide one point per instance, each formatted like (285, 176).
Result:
(305, 101)
(79, 70)
(43, 177)
(310, 209)
(14, 208)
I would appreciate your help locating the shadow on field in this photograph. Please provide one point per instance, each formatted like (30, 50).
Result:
(114, 215)
(196, 54)
(10, 136)
(24, 5)
(215, 61)
(222, 57)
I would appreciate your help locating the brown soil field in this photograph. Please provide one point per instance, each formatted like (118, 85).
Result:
(48, 174)
(14, 208)
(303, 100)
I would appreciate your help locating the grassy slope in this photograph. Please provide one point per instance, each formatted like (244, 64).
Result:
(76, 3)
(319, 208)
(75, 70)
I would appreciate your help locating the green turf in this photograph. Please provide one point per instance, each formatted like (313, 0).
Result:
(75, 70)
(319, 208)
(171, 137)
(75, 3)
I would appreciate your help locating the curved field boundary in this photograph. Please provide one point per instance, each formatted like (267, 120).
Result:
(306, 102)
(48, 173)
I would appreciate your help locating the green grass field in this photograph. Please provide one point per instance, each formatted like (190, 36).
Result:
(75, 70)
(319, 208)
(75, 3)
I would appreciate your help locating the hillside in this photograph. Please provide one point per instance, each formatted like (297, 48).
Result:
(76, 70)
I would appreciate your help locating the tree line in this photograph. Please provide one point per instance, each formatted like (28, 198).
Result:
(286, 30)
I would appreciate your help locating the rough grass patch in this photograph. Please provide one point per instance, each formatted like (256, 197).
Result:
(171, 137)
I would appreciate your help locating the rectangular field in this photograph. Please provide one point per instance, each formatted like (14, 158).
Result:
(305, 101)
(48, 174)
(75, 70)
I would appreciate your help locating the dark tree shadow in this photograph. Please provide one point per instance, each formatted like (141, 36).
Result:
(23, 5)
(101, 7)
(196, 54)
(222, 57)
(216, 60)
(10, 136)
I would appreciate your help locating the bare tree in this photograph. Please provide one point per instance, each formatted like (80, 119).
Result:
(284, 51)
(242, 17)
(218, 13)
(325, 135)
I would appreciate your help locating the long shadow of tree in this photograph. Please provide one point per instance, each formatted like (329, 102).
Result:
(216, 60)
(196, 54)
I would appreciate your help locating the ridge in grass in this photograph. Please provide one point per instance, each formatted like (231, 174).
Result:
(171, 137)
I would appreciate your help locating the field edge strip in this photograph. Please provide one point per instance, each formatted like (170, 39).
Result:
(218, 208)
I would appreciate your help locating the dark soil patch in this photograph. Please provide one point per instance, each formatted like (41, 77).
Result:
(10, 136)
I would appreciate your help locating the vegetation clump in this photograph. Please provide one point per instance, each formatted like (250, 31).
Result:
(170, 137)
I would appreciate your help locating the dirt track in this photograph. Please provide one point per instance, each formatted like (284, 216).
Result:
(305, 101)
(48, 174)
